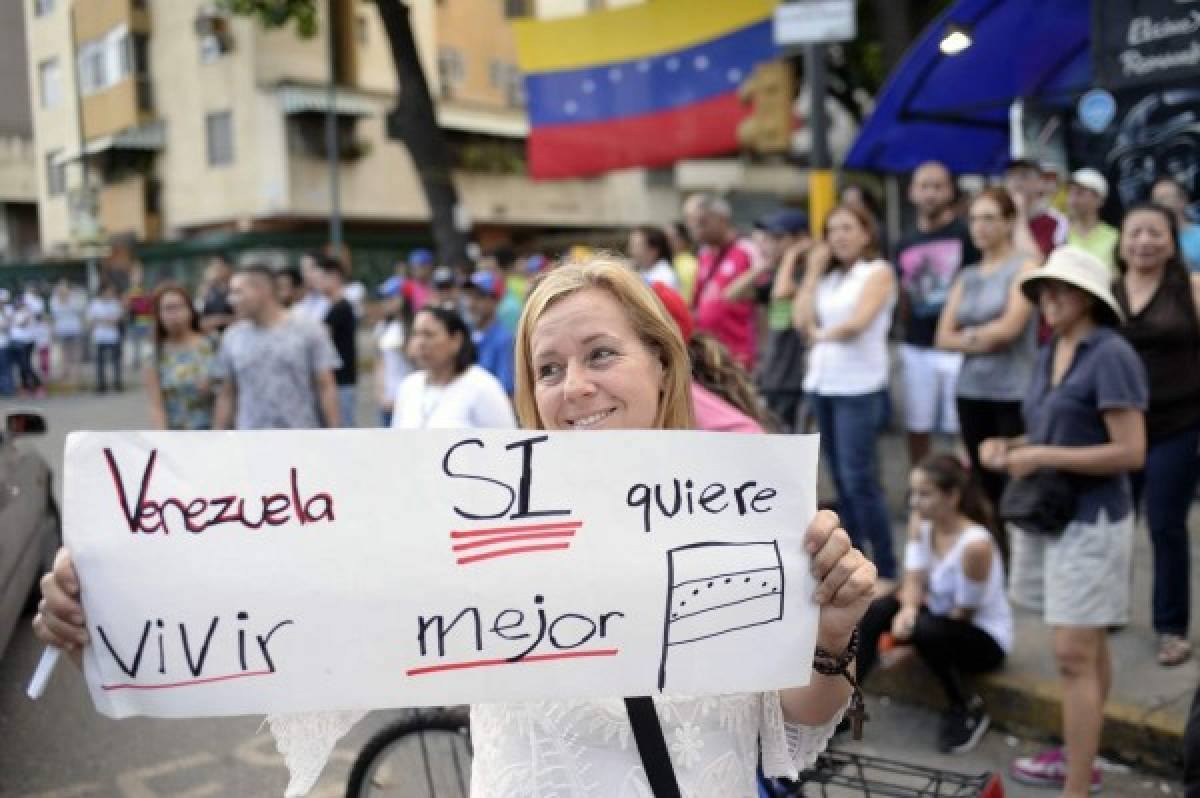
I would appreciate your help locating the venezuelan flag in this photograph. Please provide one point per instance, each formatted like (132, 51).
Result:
(643, 85)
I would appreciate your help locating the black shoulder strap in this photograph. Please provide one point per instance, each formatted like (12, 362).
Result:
(647, 733)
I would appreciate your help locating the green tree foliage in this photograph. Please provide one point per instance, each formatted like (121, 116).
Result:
(278, 13)
(886, 28)
(413, 122)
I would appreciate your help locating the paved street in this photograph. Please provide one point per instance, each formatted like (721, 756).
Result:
(60, 748)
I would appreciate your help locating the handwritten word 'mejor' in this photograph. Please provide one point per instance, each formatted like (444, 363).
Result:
(563, 632)
(150, 515)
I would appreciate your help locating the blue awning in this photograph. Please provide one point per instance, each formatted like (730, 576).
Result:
(955, 108)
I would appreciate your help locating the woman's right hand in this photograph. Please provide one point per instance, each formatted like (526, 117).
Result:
(993, 454)
(60, 620)
(819, 257)
(903, 623)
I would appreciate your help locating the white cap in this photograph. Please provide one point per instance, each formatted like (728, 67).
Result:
(1092, 180)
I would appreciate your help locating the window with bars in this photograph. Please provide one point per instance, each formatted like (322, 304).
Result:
(452, 70)
(106, 61)
(50, 83)
(518, 8)
(219, 137)
(56, 175)
(42, 7)
(514, 86)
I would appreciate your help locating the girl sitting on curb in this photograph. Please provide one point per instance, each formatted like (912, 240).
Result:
(951, 607)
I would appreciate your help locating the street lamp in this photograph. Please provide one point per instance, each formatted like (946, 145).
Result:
(956, 39)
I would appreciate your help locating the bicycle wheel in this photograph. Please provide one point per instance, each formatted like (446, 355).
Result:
(425, 756)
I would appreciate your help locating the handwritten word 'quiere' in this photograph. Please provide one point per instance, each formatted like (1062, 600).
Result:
(150, 516)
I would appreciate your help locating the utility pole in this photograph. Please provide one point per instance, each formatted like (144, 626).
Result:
(331, 137)
(820, 173)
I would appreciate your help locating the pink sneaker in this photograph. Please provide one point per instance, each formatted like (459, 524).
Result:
(1048, 769)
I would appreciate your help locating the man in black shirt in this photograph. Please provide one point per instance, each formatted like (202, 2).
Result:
(216, 312)
(342, 326)
(927, 262)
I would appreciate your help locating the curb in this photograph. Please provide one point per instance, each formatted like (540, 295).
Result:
(1149, 737)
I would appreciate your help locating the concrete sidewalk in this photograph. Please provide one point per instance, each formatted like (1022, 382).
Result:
(1147, 711)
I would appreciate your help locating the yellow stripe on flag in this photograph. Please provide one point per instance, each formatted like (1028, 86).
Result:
(625, 34)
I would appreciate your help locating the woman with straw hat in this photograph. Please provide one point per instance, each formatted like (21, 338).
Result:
(1084, 413)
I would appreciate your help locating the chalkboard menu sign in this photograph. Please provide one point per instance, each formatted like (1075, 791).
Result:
(1137, 42)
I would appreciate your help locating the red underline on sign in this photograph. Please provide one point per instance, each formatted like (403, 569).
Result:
(518, 550)
(486, 663)
(184, 684)
(502, 530)
(566, 533)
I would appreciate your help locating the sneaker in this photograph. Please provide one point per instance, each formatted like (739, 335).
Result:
(1048, 769)
(963, 728)
(1173, 650)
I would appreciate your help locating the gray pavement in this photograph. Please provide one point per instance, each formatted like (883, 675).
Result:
(60, 747)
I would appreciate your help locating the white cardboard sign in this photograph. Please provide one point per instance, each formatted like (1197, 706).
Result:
(232, 573)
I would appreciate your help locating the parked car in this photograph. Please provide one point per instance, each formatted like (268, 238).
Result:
(30, 529)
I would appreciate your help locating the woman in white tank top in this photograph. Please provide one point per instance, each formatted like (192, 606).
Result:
(952, 608)
(844, 309)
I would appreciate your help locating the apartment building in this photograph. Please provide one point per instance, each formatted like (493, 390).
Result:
(18, 190)
(156, 120)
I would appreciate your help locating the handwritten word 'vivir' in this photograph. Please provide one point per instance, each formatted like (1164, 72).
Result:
(195, 649)
(150, 516)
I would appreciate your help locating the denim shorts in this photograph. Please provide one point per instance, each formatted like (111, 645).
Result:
(1081, 578)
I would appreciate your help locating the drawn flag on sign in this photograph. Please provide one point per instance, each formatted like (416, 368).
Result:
(718, 588)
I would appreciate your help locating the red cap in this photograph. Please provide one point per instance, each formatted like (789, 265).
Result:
(676, 307)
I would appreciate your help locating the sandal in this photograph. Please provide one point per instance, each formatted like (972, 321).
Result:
(1173, 650)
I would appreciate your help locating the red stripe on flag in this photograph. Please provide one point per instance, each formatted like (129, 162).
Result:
(569, 533)
(517, 550)
(702, 129)
(506, 530)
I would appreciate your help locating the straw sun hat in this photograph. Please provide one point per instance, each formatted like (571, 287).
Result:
(1080, 269)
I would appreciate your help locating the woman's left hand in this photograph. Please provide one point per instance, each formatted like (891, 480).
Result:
(845, 580)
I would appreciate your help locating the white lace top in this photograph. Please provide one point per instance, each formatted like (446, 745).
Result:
(585, 749)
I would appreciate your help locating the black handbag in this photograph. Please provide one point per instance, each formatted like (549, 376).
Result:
(1042, 503)
(652, 746)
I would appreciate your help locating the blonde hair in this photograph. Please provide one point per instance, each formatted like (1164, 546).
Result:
(647, 316)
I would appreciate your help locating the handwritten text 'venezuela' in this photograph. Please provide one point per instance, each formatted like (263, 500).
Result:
(150, 516)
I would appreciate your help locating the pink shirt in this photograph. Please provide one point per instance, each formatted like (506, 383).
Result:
(731, 323)
(418, 295)
(714, 414)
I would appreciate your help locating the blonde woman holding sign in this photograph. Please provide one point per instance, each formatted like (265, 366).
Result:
(596, 350)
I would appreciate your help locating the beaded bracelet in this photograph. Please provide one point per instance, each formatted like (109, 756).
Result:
(829, 664)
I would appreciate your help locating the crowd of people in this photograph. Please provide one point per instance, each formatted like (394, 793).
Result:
(1045, 363)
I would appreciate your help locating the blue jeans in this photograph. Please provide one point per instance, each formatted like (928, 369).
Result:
(849, 427)
(24, 355)
(7, 386)
(108, 355)
(347, 403)
(1167, 485)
